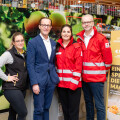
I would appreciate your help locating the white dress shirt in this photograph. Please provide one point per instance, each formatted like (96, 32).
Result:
(47, 45)
(87, 38)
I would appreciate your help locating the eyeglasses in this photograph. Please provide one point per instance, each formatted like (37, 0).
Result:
(44, 25)
(18, 41)
(88, 22)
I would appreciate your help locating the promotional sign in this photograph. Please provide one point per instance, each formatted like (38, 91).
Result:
(113, 98)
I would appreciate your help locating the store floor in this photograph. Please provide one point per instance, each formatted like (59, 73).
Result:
(4, 116)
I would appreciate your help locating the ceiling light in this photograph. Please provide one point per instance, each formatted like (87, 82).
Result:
(79, 1)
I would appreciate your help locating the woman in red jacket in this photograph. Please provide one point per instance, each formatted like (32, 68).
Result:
(69, 68)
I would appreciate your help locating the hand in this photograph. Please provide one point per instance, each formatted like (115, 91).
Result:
(13, 78)
(36, 89)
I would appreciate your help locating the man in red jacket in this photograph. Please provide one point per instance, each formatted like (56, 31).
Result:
(97, 59)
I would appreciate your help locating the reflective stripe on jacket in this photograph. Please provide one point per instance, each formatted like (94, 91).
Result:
(69, 64)
(97, 57)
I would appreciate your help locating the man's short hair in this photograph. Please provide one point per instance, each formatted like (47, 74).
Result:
(44, 18)
(88, 15)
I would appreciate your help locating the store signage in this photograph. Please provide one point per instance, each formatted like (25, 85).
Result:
(113, 83)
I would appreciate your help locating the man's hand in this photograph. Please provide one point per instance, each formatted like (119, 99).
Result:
(36, 89)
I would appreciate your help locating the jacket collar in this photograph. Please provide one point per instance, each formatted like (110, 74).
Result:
(44, 38)
(81, 34)
(16, 52)
(60, 41)
(40, 42)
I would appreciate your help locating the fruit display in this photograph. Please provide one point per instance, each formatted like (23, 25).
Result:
(31, 23)
(108, 21)
(74, 19)
(113, 112)
(58, 19)
(114, 109)
(5, 33)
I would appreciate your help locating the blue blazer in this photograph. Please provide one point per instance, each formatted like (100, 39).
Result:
(39, 66)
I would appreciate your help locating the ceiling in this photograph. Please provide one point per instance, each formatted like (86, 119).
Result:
(109, 2)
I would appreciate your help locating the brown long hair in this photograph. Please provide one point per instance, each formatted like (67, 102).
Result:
(65, 25)
(13, 38)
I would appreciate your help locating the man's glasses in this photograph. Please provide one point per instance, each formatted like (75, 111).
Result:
(45, 25)
(88, 22)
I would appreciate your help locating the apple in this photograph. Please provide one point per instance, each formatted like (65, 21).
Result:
(31, 23)
(57, 20)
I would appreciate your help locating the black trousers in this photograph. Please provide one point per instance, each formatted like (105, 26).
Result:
(70, 101)
(17, 104)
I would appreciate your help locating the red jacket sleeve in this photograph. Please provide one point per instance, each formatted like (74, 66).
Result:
(78, 66)
(106, 53)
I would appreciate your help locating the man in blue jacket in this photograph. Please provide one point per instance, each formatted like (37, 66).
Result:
(41, 69)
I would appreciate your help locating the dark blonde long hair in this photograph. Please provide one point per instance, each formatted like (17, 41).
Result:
(13, 38)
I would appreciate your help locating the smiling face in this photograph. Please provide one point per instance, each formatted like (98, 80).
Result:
(87, 23)
(66, 33)
(19, 42)
(45, 27)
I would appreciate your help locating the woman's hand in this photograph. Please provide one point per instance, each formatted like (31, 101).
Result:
(13, 78)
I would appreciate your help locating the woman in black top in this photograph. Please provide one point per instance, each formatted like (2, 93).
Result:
(15, 77)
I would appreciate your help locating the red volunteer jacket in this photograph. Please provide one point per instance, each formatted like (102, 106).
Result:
(97, 57)
(69, 64)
